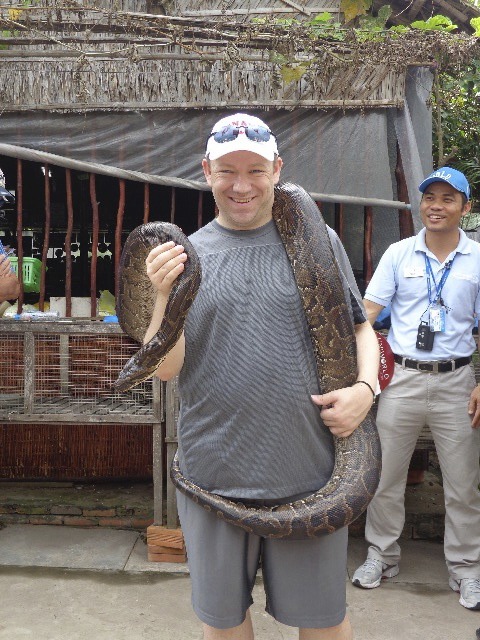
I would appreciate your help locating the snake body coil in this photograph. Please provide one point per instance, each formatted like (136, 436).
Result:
(358, 457)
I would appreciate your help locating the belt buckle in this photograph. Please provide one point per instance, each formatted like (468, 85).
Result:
(432, 363)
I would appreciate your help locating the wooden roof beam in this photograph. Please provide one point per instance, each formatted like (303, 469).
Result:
(455, 13)
(415, 9)
(296, 6)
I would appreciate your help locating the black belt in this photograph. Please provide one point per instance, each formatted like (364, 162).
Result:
(437, 366)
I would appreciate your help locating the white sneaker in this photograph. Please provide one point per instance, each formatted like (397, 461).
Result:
(370, 574)
(469, 589)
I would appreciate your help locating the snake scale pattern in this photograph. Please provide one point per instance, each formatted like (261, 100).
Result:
(358, 457)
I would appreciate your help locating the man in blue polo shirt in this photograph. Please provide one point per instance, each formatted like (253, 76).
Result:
(432, 282)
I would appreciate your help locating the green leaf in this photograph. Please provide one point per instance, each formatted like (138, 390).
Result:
(435, 23)
(292, 74)
(277, 58)
(384, 13)
(399, 28)
(475, 23)
(353, 8)
(321, 18)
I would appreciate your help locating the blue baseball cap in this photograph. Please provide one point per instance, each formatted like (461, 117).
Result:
(454, 178)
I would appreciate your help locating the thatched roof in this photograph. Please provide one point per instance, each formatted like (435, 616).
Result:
(79, 57)
(246, 10)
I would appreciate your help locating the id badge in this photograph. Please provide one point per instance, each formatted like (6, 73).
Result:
(437, 318)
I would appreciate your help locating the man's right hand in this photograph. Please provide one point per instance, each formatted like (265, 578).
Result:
(164, 264)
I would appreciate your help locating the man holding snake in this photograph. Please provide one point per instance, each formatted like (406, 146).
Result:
(253, 425)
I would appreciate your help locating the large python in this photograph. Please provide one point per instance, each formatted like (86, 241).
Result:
(357, 458)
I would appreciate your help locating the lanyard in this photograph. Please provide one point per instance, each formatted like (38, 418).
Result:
(443, 279)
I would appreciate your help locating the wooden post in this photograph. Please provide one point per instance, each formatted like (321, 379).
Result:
(146, 202)
(200, 210)
(118, 234)
(29, 371)
(166, 544)
(172, 207)
(171, 416)
(95, 236)
(367, 245)
(405, 219)
(46, 237)
(339, 220)
(158, 463)
(19, 200)
(68, 245)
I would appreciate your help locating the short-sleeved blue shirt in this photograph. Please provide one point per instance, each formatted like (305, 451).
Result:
(401, 280)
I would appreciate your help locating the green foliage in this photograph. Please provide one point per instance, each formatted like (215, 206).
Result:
(475, 23)
(435, 23)
(353, 8)
(378, 22)
(459, 106)
(323, 26)
(13, 14)
(293, 73)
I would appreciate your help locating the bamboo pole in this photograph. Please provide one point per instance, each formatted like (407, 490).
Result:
(19, 200)
(405, 219)
(367, 245)
(146, 202)
(95, 236)
(46, 237)
(68, 245)
(339, 220)
(173, 204)
(118, 234)
(200, 210)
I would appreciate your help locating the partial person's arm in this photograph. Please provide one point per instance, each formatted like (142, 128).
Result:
(344, 409)
(474, 404)
(9, 284)
(373, 309)
(164, 264)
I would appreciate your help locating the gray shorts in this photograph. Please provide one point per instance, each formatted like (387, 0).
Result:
(304, 580)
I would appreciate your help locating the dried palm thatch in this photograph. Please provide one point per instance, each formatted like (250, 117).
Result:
(70, 56)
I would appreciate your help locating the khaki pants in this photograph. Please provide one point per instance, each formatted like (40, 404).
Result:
(440, 400)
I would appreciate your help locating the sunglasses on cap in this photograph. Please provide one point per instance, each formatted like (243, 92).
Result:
(229, 133)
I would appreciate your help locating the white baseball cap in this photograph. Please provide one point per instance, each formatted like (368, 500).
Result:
(241, 132)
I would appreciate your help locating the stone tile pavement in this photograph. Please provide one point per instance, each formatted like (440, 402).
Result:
(68, 583)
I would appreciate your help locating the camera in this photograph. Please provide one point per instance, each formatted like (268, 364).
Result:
(425, 337)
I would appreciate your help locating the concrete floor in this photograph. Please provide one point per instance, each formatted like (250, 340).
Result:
(66, 583)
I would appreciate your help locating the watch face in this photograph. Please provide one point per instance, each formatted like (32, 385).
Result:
(387, 363)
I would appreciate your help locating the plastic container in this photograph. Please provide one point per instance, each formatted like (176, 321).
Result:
(37, 315)
(31, 268)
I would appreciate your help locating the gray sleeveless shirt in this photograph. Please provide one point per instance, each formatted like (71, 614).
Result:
(247, 425)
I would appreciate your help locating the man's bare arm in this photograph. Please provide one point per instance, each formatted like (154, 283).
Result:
(164, 264)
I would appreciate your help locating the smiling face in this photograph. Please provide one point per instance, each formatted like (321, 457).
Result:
(242, 184)
(442, 208)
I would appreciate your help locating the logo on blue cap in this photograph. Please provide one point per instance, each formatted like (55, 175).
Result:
(454, 178)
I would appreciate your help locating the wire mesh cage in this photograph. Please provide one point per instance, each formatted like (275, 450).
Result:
(69, 376)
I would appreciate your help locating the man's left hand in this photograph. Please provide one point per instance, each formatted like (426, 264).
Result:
(344, 409)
